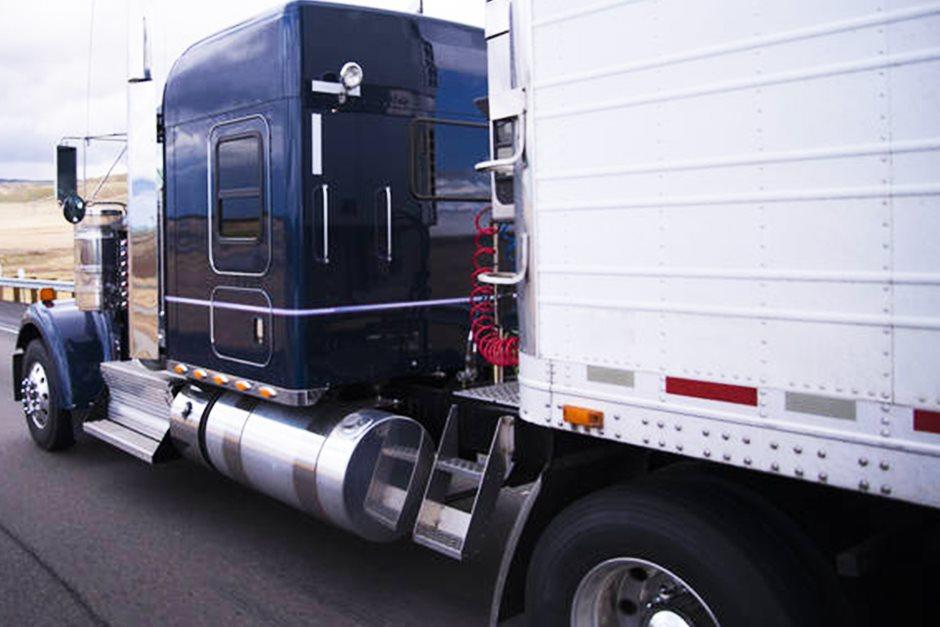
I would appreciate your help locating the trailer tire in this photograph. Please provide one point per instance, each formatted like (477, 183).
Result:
(50, 425)
(727, 563)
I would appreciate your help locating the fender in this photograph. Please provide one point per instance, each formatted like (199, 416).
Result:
(77, 342)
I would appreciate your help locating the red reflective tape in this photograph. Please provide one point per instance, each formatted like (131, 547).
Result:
(740, 394)
(928, 421)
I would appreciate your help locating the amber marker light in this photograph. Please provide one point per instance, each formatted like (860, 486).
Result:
(180, 369)
(242, 386)
(220, 379)
(47, 295)
(584, 417)
(200, 374)
(267, 392)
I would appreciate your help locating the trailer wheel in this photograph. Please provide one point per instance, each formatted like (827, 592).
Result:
(666, 554)
(49, 424)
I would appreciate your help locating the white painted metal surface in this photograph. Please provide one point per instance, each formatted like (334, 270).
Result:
(741, 192)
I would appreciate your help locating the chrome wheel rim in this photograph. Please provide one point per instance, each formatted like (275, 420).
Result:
(35, 389)
(632, 592)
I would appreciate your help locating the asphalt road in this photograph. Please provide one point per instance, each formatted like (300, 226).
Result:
(92, 536)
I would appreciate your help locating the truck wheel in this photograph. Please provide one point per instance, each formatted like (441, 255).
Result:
(49, 424)
(664, 554)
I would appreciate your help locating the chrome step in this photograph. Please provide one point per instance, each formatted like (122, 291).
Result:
(450, 544)
(139, 402)
(463, 467)
(128, 440)
(461, 494)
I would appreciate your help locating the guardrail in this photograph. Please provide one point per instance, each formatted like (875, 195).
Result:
(27, 290)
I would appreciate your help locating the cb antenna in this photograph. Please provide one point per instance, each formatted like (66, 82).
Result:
(420, 7)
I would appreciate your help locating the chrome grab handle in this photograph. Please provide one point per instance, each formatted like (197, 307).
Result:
(511, 278)
(325, 191)
(388, 223)
(506, 164)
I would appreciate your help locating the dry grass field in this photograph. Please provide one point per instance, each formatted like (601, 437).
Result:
(33, 234)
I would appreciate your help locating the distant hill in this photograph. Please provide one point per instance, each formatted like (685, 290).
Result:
(38, 181)
(33, 191)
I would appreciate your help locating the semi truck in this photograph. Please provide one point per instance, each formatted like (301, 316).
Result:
(639, 299)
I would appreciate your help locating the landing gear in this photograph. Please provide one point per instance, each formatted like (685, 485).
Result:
(49, 424)
(677, 553)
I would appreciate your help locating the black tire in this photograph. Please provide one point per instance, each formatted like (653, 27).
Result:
(52, 431)
(740, 561)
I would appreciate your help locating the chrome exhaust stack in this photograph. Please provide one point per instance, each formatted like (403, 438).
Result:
(142, 203)
(362, 470)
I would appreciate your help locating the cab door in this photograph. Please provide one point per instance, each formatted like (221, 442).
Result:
(240, 240)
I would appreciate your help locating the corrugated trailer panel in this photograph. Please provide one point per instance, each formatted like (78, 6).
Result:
(740, 192)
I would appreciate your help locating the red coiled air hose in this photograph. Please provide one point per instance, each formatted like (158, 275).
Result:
(495, 349)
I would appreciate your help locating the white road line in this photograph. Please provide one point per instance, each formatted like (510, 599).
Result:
(12, 330)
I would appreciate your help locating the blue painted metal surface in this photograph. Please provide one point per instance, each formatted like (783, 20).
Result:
(257, 77)
(76, 341)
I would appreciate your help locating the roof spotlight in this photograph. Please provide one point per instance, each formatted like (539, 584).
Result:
(351, 75)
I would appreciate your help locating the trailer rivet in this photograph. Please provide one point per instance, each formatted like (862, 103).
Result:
(646, 440)
(863, 485)
(645, 421)
(662, 443)
(660, 424)
(774, 445)
(775, 466)
(862, 461)
(747, 461)
(726, 457)
(679, 447)
(746, 440)
(798, 472)
(822, 454)
(705, 432)
(884, 465)
(886, 489)
(798, 449)
(678, 427)
(823, 477)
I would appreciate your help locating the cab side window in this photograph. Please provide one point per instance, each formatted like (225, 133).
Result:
(239, 189)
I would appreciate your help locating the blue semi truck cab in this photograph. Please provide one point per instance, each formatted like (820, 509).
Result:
(290, 295)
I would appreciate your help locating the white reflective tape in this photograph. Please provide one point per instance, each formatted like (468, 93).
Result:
(316, 143)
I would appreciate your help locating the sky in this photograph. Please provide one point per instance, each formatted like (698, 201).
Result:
(51, 87)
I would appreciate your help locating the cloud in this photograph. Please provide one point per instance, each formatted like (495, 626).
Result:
(44, 63)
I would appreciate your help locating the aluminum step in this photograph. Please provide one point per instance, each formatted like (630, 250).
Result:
(128, 440)
(450, 544)
(139, 402)
(463, 467)
(456, 531)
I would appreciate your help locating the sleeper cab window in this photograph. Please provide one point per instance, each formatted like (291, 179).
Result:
(239, 188)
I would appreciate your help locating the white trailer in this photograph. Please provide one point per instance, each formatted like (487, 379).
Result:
(731, 211)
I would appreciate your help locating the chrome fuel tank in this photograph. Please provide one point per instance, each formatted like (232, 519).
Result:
(362, 470)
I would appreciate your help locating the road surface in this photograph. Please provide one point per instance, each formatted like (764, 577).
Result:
(91, 536)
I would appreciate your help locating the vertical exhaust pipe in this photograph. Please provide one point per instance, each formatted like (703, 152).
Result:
(143, 300)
